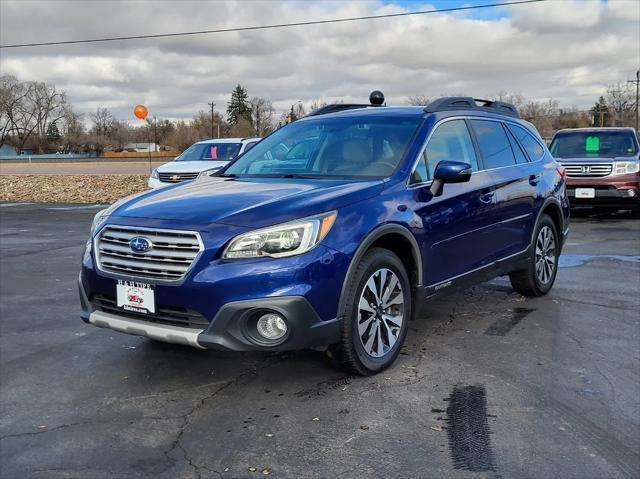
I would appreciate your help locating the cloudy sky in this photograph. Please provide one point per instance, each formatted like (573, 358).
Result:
(562, 49)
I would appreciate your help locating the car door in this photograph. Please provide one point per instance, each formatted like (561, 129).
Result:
(515, 180)
(459, 225)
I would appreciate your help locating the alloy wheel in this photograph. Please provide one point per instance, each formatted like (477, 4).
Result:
(380, 312)
(546, 257)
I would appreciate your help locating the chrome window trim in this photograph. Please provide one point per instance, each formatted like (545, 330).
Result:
(465, 117)
(145, 279)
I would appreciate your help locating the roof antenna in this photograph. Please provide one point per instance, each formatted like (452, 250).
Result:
(376, 98)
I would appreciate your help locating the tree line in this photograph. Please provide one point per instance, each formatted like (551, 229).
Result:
(38, 116)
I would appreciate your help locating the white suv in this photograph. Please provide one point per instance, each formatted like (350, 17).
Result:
(205, 155)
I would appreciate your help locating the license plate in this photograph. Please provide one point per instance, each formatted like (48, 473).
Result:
(585, 193)
(135, 297)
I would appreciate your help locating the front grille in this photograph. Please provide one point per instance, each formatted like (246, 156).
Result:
(173, 316)
(176, 177)
(171, 255)
(588, 170)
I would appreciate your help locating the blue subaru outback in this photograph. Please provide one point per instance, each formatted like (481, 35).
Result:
(332, 232)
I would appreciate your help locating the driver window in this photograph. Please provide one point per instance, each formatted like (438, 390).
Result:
(450, 141)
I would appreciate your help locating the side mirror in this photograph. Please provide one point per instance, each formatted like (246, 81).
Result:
(449, 172)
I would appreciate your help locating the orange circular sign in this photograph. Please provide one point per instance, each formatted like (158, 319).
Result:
(140, 111)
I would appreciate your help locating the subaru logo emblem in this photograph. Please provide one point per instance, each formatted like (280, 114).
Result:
(140, 244)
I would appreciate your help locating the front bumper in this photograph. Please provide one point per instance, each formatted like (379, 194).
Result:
(216, 305)
(231, 329)
(619, 191)
(607, 196)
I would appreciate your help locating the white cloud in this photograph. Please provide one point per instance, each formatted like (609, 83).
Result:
(562, 49)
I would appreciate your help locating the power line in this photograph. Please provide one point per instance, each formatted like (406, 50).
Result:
(277, 25)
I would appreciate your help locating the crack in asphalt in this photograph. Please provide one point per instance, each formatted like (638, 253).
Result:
(44, 431)
(186, 418)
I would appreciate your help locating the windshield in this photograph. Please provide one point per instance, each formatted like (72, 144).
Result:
(596, 144)
(210, 151)
(353, 147)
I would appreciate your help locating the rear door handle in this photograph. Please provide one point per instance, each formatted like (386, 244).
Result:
(534, 179)
(487, 197)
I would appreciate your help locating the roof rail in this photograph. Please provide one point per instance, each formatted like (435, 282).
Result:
(468, 103)
(376, 99)
(338, 107)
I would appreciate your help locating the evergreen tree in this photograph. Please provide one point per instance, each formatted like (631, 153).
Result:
(53, 134)
(238, 107)
(600, 112)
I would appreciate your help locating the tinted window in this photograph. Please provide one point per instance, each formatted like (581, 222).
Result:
(450, 141)
(494, 144)
(584, 144)
(531, 145)
(517, 150)
(368, 146)
(210, 151)
(249, 146)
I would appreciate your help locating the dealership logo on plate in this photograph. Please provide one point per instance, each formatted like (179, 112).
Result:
(140, 244)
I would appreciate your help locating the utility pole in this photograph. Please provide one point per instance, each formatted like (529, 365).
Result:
(636, 82)
(212, 104)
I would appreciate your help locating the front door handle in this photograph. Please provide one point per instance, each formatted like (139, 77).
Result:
(487, 197)
(534, 179)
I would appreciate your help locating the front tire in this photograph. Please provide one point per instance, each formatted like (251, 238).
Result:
(376, 313)
(540, 274)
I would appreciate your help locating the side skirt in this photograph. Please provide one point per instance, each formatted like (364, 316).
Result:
(493, 270)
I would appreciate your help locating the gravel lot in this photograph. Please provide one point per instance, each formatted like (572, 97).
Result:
(70, 188)
(489, 384)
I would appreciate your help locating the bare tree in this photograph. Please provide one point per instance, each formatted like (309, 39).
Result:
(418, 100)
(262, 112)
(621, 102)
(102, 121)
(74, 138)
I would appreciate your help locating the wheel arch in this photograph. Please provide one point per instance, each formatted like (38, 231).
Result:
(395, 238)
(552, 208)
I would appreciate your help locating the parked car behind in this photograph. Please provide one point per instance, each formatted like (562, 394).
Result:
(205, 155)
(602, 166)
(338, 244)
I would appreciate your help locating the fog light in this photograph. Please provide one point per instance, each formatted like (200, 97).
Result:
(271, 326)
(631, 192)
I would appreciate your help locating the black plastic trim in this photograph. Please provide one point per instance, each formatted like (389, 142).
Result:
(229, 329)
(386, 229)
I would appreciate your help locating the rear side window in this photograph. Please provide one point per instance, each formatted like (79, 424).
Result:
(450, 141)
(517, 150)
(494, 144)
(531, 145)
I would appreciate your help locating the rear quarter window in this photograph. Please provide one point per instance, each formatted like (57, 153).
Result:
(534, 149)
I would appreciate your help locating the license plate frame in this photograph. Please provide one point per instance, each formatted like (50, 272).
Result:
(586, 193)
(135, 297)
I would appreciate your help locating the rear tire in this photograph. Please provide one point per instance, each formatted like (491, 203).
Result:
(376, 313)
(540, 274)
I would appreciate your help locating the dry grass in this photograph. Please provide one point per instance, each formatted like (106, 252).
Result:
(70, 188)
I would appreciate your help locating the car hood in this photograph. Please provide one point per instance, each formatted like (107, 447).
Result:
(190, 166)
(247, 202)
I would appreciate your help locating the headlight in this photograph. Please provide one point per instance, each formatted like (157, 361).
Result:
(154, 174)
(98, 219)
(287, 239)
(625, 167)
(102, 215)
(209, 172)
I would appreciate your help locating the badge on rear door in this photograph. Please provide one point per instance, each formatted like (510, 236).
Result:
(135, 297)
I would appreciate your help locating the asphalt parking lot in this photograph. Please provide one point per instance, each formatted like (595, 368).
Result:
(489, 384)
